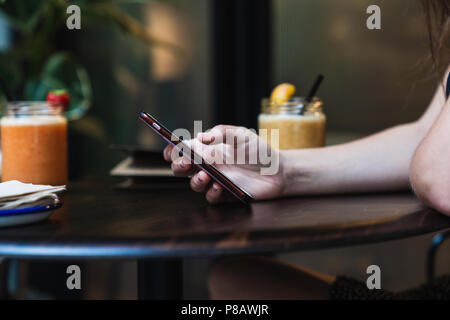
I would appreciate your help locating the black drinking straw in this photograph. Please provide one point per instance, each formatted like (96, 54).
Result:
(314, 88)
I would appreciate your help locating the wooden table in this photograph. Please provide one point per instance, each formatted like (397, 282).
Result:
(159, 227)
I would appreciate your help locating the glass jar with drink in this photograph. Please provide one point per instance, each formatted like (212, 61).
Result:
(34, 143)
(301, 122)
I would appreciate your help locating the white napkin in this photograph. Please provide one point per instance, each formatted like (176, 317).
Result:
(15, 194)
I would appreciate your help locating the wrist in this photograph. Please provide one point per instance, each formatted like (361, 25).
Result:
(301, 171)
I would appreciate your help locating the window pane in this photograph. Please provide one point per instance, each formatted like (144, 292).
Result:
(374, 78)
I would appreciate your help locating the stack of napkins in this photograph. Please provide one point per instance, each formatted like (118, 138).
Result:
(15, 194)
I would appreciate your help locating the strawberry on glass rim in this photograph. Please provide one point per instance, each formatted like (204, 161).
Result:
(59, 98)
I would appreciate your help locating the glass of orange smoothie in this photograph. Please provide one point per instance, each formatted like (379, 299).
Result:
(34, 144)
(301, 124)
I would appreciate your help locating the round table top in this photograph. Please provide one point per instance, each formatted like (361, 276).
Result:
(98, 221)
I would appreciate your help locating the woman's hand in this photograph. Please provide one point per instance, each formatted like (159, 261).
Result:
(240, 154)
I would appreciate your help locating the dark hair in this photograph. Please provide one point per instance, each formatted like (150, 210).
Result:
(437, 16)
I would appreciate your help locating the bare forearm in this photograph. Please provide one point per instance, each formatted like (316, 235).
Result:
(377, 163)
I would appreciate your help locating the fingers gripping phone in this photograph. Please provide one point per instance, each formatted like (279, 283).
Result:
(211, 170)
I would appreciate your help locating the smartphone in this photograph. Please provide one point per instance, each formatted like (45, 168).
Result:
(196, 159)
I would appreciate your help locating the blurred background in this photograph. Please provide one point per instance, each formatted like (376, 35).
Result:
(213, 60)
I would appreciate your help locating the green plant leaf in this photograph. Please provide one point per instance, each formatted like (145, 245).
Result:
(23, 15)
(37, 88)
(61, 71)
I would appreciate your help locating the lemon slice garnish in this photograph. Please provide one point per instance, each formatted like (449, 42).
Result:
(282, 93)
